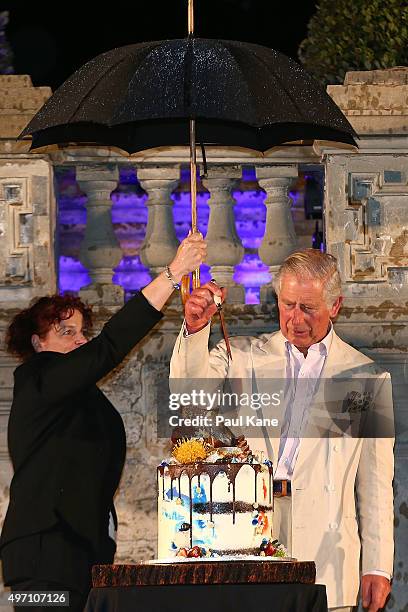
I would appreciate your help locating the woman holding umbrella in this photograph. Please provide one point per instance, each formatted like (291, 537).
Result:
(66, 440)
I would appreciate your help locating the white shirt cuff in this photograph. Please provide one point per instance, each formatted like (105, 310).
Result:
(185, 331)
(379, 573)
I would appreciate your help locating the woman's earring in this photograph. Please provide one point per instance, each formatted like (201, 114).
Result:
(36, 344)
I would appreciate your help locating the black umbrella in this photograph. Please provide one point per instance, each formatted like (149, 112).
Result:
(141, 96)
(177, 92)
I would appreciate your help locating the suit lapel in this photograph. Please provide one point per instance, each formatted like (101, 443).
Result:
(337, 362)
(268, 359)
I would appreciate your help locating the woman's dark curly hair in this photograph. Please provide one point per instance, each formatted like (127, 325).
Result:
(38, 318)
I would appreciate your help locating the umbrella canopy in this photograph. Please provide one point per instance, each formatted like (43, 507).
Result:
(139, 96)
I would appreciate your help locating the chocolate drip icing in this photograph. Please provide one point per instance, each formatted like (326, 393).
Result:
(211, 497)
(233, 502)
(191, 512)
(175, 470)
(228, 507)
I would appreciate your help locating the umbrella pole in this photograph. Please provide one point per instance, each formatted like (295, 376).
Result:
(193, 190)
(190, 17)
(185, 282)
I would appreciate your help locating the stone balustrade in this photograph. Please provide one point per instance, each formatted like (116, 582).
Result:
(160, 243)
(225, 249)
(100, 251)
(280, 238)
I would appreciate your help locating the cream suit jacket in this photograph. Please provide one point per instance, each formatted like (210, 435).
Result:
(342, 497)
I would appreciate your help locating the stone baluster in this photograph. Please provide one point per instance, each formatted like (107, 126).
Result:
(100, 251)
(279, 239)
(160, 243)
(225, 249)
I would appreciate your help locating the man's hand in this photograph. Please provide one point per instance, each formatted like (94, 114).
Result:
(200, 306)
(374, 591)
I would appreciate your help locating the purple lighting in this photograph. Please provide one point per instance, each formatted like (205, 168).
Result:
(72, 275)
(182, 212)
(250, 215)
(129, 218)
(71, 228)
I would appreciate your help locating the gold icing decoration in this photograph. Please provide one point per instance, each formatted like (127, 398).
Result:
(190, 450)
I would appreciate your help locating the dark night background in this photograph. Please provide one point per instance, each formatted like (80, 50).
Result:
(50, 41)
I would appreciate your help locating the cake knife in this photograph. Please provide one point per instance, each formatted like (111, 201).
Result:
(218, 303)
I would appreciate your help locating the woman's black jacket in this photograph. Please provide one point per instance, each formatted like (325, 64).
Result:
(66, 440)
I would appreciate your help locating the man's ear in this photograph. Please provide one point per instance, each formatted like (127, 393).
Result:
(336, 307)
(35, 341)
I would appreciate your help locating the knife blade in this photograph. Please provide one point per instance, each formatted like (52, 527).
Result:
(218, 303)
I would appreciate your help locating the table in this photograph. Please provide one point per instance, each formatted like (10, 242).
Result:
(209, 598)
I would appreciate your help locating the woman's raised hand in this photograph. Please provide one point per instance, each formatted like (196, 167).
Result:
(190, 255)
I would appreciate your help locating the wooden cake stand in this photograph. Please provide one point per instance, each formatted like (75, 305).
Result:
(265, 571)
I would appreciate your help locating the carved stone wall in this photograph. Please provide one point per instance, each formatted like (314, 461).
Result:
(366, 216)
(367, 229)
(27, 229)
(19, 101)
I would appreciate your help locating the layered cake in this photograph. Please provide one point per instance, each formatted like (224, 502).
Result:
(214, 502)
(215, 523)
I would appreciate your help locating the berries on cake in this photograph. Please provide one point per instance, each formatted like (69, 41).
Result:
(215, 501)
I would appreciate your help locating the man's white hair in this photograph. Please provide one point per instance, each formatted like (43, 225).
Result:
(312, 264)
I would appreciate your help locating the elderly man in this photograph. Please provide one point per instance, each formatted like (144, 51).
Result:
(334, 499)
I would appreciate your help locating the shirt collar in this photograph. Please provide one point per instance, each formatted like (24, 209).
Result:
(322, 347)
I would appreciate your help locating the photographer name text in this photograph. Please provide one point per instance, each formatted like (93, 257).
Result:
(211, 421)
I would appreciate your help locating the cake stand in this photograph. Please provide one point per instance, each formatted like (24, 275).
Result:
(261, 570)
